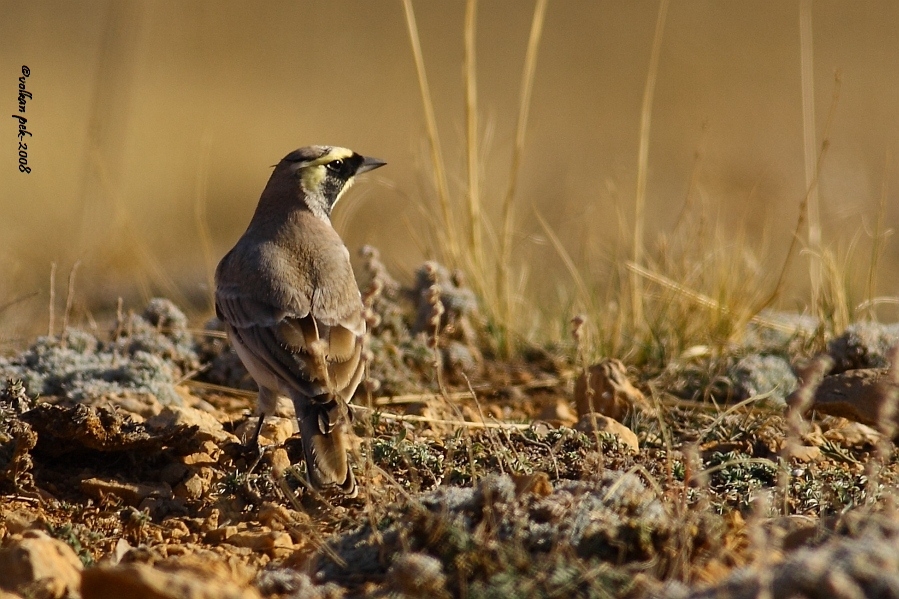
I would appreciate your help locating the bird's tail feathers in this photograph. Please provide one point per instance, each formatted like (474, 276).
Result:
(325, 444)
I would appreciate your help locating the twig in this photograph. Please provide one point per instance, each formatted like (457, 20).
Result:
(461, 423)
(51, 324)
(396, 400)
(221, 389)
(70, 295)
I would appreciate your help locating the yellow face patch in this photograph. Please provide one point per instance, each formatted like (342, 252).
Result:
(313, 171)
(311, 177)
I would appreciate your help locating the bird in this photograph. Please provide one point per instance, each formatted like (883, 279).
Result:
(291, 307)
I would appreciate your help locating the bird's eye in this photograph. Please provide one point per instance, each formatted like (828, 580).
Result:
(334, 166)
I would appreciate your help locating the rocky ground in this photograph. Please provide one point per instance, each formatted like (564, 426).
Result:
(766, 470)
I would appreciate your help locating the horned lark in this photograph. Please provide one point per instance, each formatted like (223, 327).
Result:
(290, 304)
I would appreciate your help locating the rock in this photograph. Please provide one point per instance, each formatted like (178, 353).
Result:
(272, 542)
(278, 517)
(537, 484)
(140, 581)
(131, 493)
(863, 345)
(199, 459)
(599, 423)
(140, 405)
(37, 565)
(609, 391)
(63, 429)
(173, 473)
(221, 534)
(558, 413)
(458, 300)
(803, 453)
(143, 358)
(192, 488)
(208, 428)
(19, 521)
(758, 374)
(840, 568)
(461, 357)
(275, 430)
(852, 434)
(417, 575)
(778, 329)
(857, 395)
(279, 461)
(287, 582)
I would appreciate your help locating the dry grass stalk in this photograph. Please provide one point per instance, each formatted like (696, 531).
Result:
(887, 410)
(503, 286)
(202, 223)
(807, 63)
(643, 165)
(491, 279)
(878, 241)
(448, 231)
(476, 249)
(702, 299)
(453, 423)
(51, 325)
(70, 297)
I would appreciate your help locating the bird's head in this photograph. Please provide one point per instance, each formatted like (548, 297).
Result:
(323, 173)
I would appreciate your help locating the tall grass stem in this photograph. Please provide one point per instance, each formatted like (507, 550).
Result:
(475, 242)
(809, 145)
(643, 165)
(449, 229)
(503, 287)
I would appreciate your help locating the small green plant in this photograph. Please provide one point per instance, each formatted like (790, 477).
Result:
(71, 535)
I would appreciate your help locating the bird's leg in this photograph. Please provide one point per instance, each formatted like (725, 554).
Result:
(253, 443)
(265, 404)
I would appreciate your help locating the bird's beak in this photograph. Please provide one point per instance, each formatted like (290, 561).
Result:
(369, 164)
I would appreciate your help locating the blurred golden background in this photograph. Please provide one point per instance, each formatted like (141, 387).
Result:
(155, 124)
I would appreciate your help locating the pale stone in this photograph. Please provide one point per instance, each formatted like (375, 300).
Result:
(37, 565)
(599, 423)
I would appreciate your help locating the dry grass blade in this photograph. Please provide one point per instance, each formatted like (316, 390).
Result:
(503, 287)
(702, 299)
(395, 400)
(471, 135)
(455, 423)
(202, 222)
(51, 317)
(449, 229)
(566, 259)
(879, 238)
(643, 164)
(221, 389)
(807, 64)
(746, 402)
(70, 297)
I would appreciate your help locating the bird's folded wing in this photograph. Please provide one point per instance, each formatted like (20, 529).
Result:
(241, 311)
(310, 355)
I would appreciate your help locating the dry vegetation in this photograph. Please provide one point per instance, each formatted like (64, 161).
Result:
(735, 451)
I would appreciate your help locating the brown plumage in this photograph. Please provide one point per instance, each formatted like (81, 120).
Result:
(289, 300)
